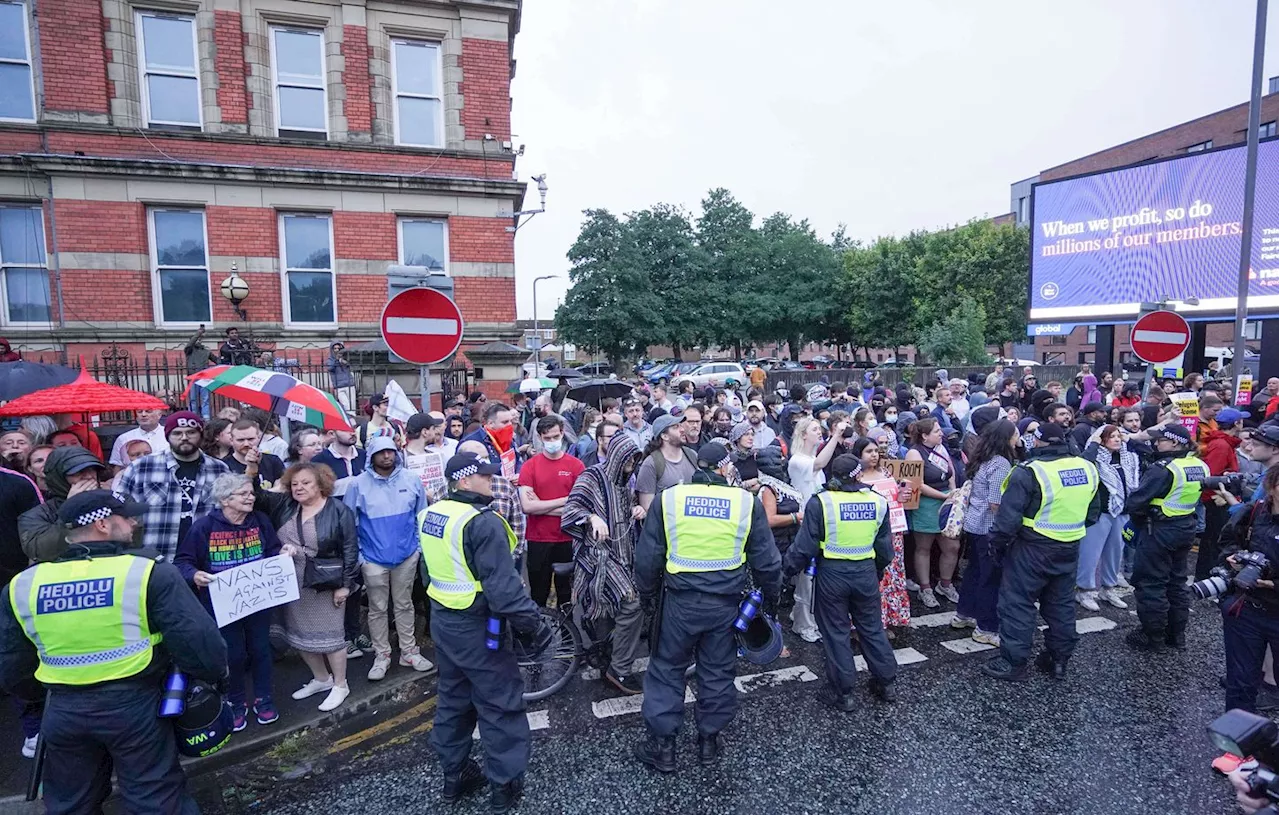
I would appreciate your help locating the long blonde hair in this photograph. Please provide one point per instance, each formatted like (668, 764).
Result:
(798, 434)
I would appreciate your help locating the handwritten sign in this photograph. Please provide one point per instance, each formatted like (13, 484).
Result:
(244, 590)
(1244, 389)
(1188, 406)
(911, 472)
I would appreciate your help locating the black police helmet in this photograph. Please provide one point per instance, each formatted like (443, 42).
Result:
(206, 725)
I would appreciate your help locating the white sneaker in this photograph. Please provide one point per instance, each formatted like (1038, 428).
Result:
(962, 621)
(381, 663)
(336, 697)
(313, 687)
(985, 637)
(1121, 583)
(810, 636)
(416, 661)
(912, 585)
(1113, 597)
(948, 591)
(1088, 599)
(926, 597)
(29, 747)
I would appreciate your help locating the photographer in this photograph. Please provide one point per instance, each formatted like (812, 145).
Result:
(1249, 608)
(1218, 451)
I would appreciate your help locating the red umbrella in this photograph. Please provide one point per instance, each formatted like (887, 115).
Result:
(84, 395)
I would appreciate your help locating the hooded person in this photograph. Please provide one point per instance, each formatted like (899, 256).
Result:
(1090, 393)
(67, 471)
(1040, 400)
(7, 354)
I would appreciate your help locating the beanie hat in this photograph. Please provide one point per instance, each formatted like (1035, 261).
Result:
(183, 418)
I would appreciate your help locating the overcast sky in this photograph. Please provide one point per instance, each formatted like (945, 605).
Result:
(885, 116)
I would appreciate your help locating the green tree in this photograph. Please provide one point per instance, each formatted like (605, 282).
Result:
(730, 296)
(797, 296)
(881, 281)
(983, 261)
(676, 268)
(611, 306)
(959, 339)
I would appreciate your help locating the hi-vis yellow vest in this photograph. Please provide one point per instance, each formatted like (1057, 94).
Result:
(1067, 487)
(451, 583)
(707, 527)
(87, 618)
(852, 520)
(1183, 496)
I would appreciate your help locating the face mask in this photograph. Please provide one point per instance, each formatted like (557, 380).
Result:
(891, 417)
(1028, 441)
(553, 448)
(871, 422)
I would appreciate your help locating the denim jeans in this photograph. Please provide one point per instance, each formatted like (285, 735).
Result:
(198, 401)
(980, 591)
(1247, 630)
(1101, 551)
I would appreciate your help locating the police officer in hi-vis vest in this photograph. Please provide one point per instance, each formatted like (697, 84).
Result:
(1047, 502)
(697, 540)
(1163, 510)
(471, 577)
(98, 628)
(846, 527)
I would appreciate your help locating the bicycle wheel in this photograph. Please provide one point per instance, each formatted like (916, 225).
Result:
(553, 669)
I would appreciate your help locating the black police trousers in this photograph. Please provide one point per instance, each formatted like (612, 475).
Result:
(694, 625)
(88, 733)
(1045, 571)
(476, 684)
(844, 589)
(1247, 630)
(1160, 576)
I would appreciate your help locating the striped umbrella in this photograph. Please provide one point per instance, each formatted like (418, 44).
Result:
(278, 393)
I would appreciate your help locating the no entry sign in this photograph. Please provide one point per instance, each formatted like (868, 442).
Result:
(422, 326)
(1160, 336)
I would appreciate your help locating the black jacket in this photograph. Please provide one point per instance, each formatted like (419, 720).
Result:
(191, 637)
(488, 552)
(335, 529)
(814, 530)
(18, 495)
(1155, 483)
(38, 528)
(1254, 530)
(1021, 499)
(761, 551)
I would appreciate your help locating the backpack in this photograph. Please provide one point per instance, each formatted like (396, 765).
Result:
(660, 464)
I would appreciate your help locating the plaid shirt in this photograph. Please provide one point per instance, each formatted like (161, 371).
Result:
(506, 502)
(152, 480)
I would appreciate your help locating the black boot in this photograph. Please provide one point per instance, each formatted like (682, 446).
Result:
(708, 749)
(1176, 639)
(1001, 668)
(658, 753)
(1143, 640)
(884, 691)
(503, 797)
(470, 779)
(1045, 663)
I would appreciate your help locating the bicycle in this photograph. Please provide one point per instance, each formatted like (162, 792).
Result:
(571, 644)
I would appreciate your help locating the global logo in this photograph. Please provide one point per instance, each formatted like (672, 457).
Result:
(1049, 291)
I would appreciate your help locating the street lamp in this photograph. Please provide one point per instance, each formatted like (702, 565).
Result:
(542, 207)
(236, 290)
(537, 335)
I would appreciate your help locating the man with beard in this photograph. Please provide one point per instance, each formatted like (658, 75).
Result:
(68, 471)
(176, 484)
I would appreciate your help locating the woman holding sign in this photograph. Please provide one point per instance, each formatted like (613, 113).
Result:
(895, 603)
(230, 536)
(939, 481)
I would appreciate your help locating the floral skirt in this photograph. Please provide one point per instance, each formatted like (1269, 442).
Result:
(895, 603)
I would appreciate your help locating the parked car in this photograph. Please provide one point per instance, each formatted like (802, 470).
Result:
(668, 373)
(711, 373)
(788, 365)
(595, 369)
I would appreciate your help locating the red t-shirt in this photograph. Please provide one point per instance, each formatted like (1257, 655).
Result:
(549, 480)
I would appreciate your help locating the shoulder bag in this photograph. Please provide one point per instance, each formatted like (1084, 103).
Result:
(319, 573)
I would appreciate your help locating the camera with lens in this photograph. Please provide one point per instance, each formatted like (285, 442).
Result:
(1255, 566)
(1231, 482)
(1248, 735)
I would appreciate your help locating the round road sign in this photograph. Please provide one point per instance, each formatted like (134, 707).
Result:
(422, 326)
(1160, 336)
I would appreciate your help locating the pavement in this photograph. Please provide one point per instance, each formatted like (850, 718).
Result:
(1124, 733)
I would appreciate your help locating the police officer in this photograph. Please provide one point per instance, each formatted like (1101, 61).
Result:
(471, 576)
(1046, 504)
(89, 627)
(1163, 509)
(696, 542)
(846, 527)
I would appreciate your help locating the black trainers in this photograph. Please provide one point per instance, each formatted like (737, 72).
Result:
(708, 749)
(658, 753)
(503, 797)
(629, 684)
(1178, 641)
(1046, 664)
(1001, 668)
(470, 779)
(884, 691)
(1141, 640)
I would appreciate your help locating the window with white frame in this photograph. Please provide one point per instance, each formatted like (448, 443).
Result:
(297, 63)
(415, 72)
(1091, 335)
(170, 74)
(17, 92)
(1267, 129)
(307, 244)
(181, 264)
(24, 278)
(1200, 147)
(1253, 330)
(424, 242)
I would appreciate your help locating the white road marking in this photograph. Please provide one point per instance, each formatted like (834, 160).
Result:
(422, 325)
(933, 620)
(967, 645)
(538, 720)
(771, 679)
(591, 674)
(622, 705)
(1089, 625)
(903, 656)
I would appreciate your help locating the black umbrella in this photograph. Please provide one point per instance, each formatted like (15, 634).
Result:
(564, 373)
(22, 377)
(594, 390)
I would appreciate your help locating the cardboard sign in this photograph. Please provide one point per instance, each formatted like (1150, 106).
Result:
(509, 464)
(1188, 406)
(1244, 390)
(911, 472)
(244, 590)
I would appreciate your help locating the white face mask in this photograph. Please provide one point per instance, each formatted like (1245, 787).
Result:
(871, 422)
(553, 448)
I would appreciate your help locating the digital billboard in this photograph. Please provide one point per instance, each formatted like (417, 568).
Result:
(1102, 244)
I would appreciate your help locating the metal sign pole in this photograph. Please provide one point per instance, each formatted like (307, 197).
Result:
(1250, 185)
(424, 373)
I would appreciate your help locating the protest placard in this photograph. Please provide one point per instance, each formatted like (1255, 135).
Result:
(1244, 389)
(243, 590)
(1187, 405)
(911, 472)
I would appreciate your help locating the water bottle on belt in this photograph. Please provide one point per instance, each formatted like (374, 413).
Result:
(748, 610)
(493, 634)
(174, 700)
(812, 568)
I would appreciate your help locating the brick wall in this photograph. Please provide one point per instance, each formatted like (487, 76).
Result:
(361, 298)
(94, 296)
(486, 299)
(228, 40)
(101, 226)
(483, 240)
(365, 235)
(73, 60)
(358, 107)
(486, 89)
(244, 231)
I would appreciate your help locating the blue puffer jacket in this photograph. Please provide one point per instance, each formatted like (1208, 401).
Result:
(386, 509)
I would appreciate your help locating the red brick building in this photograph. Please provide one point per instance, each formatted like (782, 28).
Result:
(150, 147)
